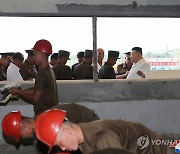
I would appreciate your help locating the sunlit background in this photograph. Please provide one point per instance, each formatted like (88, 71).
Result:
(158, 37)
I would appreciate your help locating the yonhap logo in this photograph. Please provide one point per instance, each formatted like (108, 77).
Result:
(143, 142)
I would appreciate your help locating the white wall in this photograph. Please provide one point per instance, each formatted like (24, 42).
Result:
(168, 74)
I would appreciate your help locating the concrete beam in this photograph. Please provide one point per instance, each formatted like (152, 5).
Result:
(154, 103)
(133, 9)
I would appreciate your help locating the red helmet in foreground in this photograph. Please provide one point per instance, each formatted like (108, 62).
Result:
(11, 124)
(48, 124)
(43, 46)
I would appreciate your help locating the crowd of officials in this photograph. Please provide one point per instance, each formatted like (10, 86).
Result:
(13, 67)
(78, 128)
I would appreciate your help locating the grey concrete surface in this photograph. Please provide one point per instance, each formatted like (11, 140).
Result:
(49, 8)
(154, 103)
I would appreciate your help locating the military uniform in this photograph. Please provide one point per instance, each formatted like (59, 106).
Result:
(73, 68)
(119, 134)
(77, 113)
(83, 71)
(45, 82)
(62, 72)
(106, 72)
(112, 151)
(3, 69)
(123, 68)
(27, 71)
(79, 55)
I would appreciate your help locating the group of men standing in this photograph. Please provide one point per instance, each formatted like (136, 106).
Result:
(83, 69)
(54, 129)
(13, 67)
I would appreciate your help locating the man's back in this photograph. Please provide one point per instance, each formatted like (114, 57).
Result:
(46, 83)
(112, 151)
(107, 72)
(62, 72)
(83, 71)
(77, 113)
(117, 134)
(27, 71)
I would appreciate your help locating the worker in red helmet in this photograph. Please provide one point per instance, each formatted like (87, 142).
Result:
(52, 128)
(11, 124)
(44, 93)
(15, 125)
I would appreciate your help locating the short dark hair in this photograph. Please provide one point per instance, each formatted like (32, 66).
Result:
(138, 49)
(54, 56)
(18, 56)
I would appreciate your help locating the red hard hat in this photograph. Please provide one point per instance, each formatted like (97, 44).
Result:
(48, 124)
(43, 46)
(11, 124)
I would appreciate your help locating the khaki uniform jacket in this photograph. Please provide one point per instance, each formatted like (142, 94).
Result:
(62, 72)
(112, 151)
(123, 68)
(73, 68)
(77, 113)
(27, 71)
(120, 134)
(107, 72)
(45, 82)
(83, 71)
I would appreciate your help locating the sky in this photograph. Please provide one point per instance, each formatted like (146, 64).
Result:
(75, 34)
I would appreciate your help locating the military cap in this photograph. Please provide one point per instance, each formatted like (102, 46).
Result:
(80, 54)
(64, 53)
(127, 53)
(29, 52)
(88, 53)
(8, 55)
(113, 54)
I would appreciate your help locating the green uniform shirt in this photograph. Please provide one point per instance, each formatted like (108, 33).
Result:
(112, 151)
(62, 72)
(107, 72)
(45, 82)
(123, 68)
(117, 134)
(77, 113)
(83, 71)
(27, 71)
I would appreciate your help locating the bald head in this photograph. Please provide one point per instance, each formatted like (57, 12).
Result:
(100, 53)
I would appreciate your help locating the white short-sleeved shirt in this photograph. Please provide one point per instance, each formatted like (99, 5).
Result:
(99, 67)
(13, 73)
(142, 66)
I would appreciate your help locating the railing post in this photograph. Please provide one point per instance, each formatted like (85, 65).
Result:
(95, 72)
